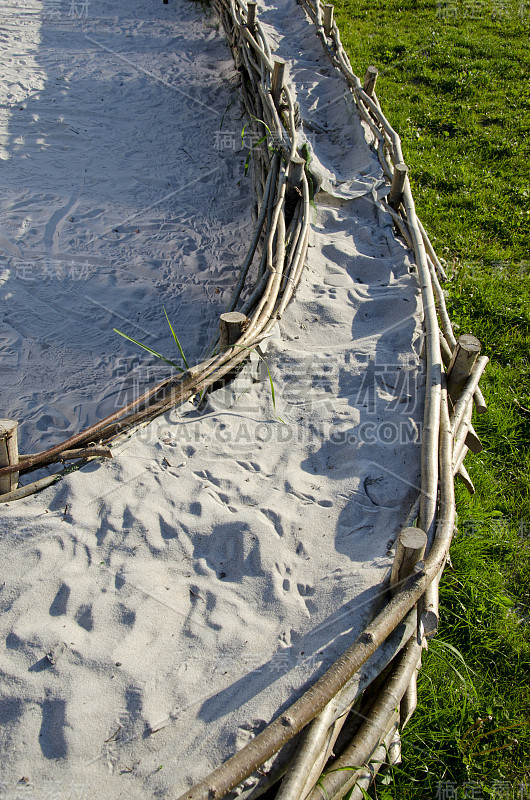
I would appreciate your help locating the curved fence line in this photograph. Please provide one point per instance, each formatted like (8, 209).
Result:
(452, 376)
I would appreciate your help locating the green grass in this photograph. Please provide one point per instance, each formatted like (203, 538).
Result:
(457, 91)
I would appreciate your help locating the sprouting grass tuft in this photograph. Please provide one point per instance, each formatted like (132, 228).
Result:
(154, 352)
(181, 351)
(149, 350)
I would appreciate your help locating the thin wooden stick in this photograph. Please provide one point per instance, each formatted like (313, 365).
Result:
(462, 431)
(468, 391)
(459, 461)
(428, 606)
(264, 41)
(77, 454)
(383, 159)
(466, 480)
(299, 253)
(445, 350)
(389, 751)
(317, 738)
(441, 304)
(480, 403)
(29, 489)
(400, 223)
(294, 234)
(88, 434)
(431, 424)
(409, 701)
(432, 253)
(472, 441)
(273, 121)
(259, 51)
(270, 211)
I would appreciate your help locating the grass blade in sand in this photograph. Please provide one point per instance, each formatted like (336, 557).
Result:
(176, 338)
(153, 352)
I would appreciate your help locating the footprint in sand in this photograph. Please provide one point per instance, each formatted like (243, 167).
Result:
(84, 617)
(60, 601)
(52, 737)
(284, 573)
(301, 551)
(250, 466)
(305, 589)
(275, 519)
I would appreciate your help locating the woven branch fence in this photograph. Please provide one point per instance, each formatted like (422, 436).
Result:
(337, 713)
(334, 704)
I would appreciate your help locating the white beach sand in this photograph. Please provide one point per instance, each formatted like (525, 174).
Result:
(193, 586)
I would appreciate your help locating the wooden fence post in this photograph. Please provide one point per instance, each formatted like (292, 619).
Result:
(294, 190)
(398, 181)
(8, 454)
(462, 361)
(231, 326)
(328, 18)
(369, 80)
(251, 17)
(410, 549)
(297, 170)
(277, 80)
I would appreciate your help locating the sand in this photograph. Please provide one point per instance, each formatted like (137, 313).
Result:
(160, 608)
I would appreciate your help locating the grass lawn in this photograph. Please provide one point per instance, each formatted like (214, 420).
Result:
(454, 82)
